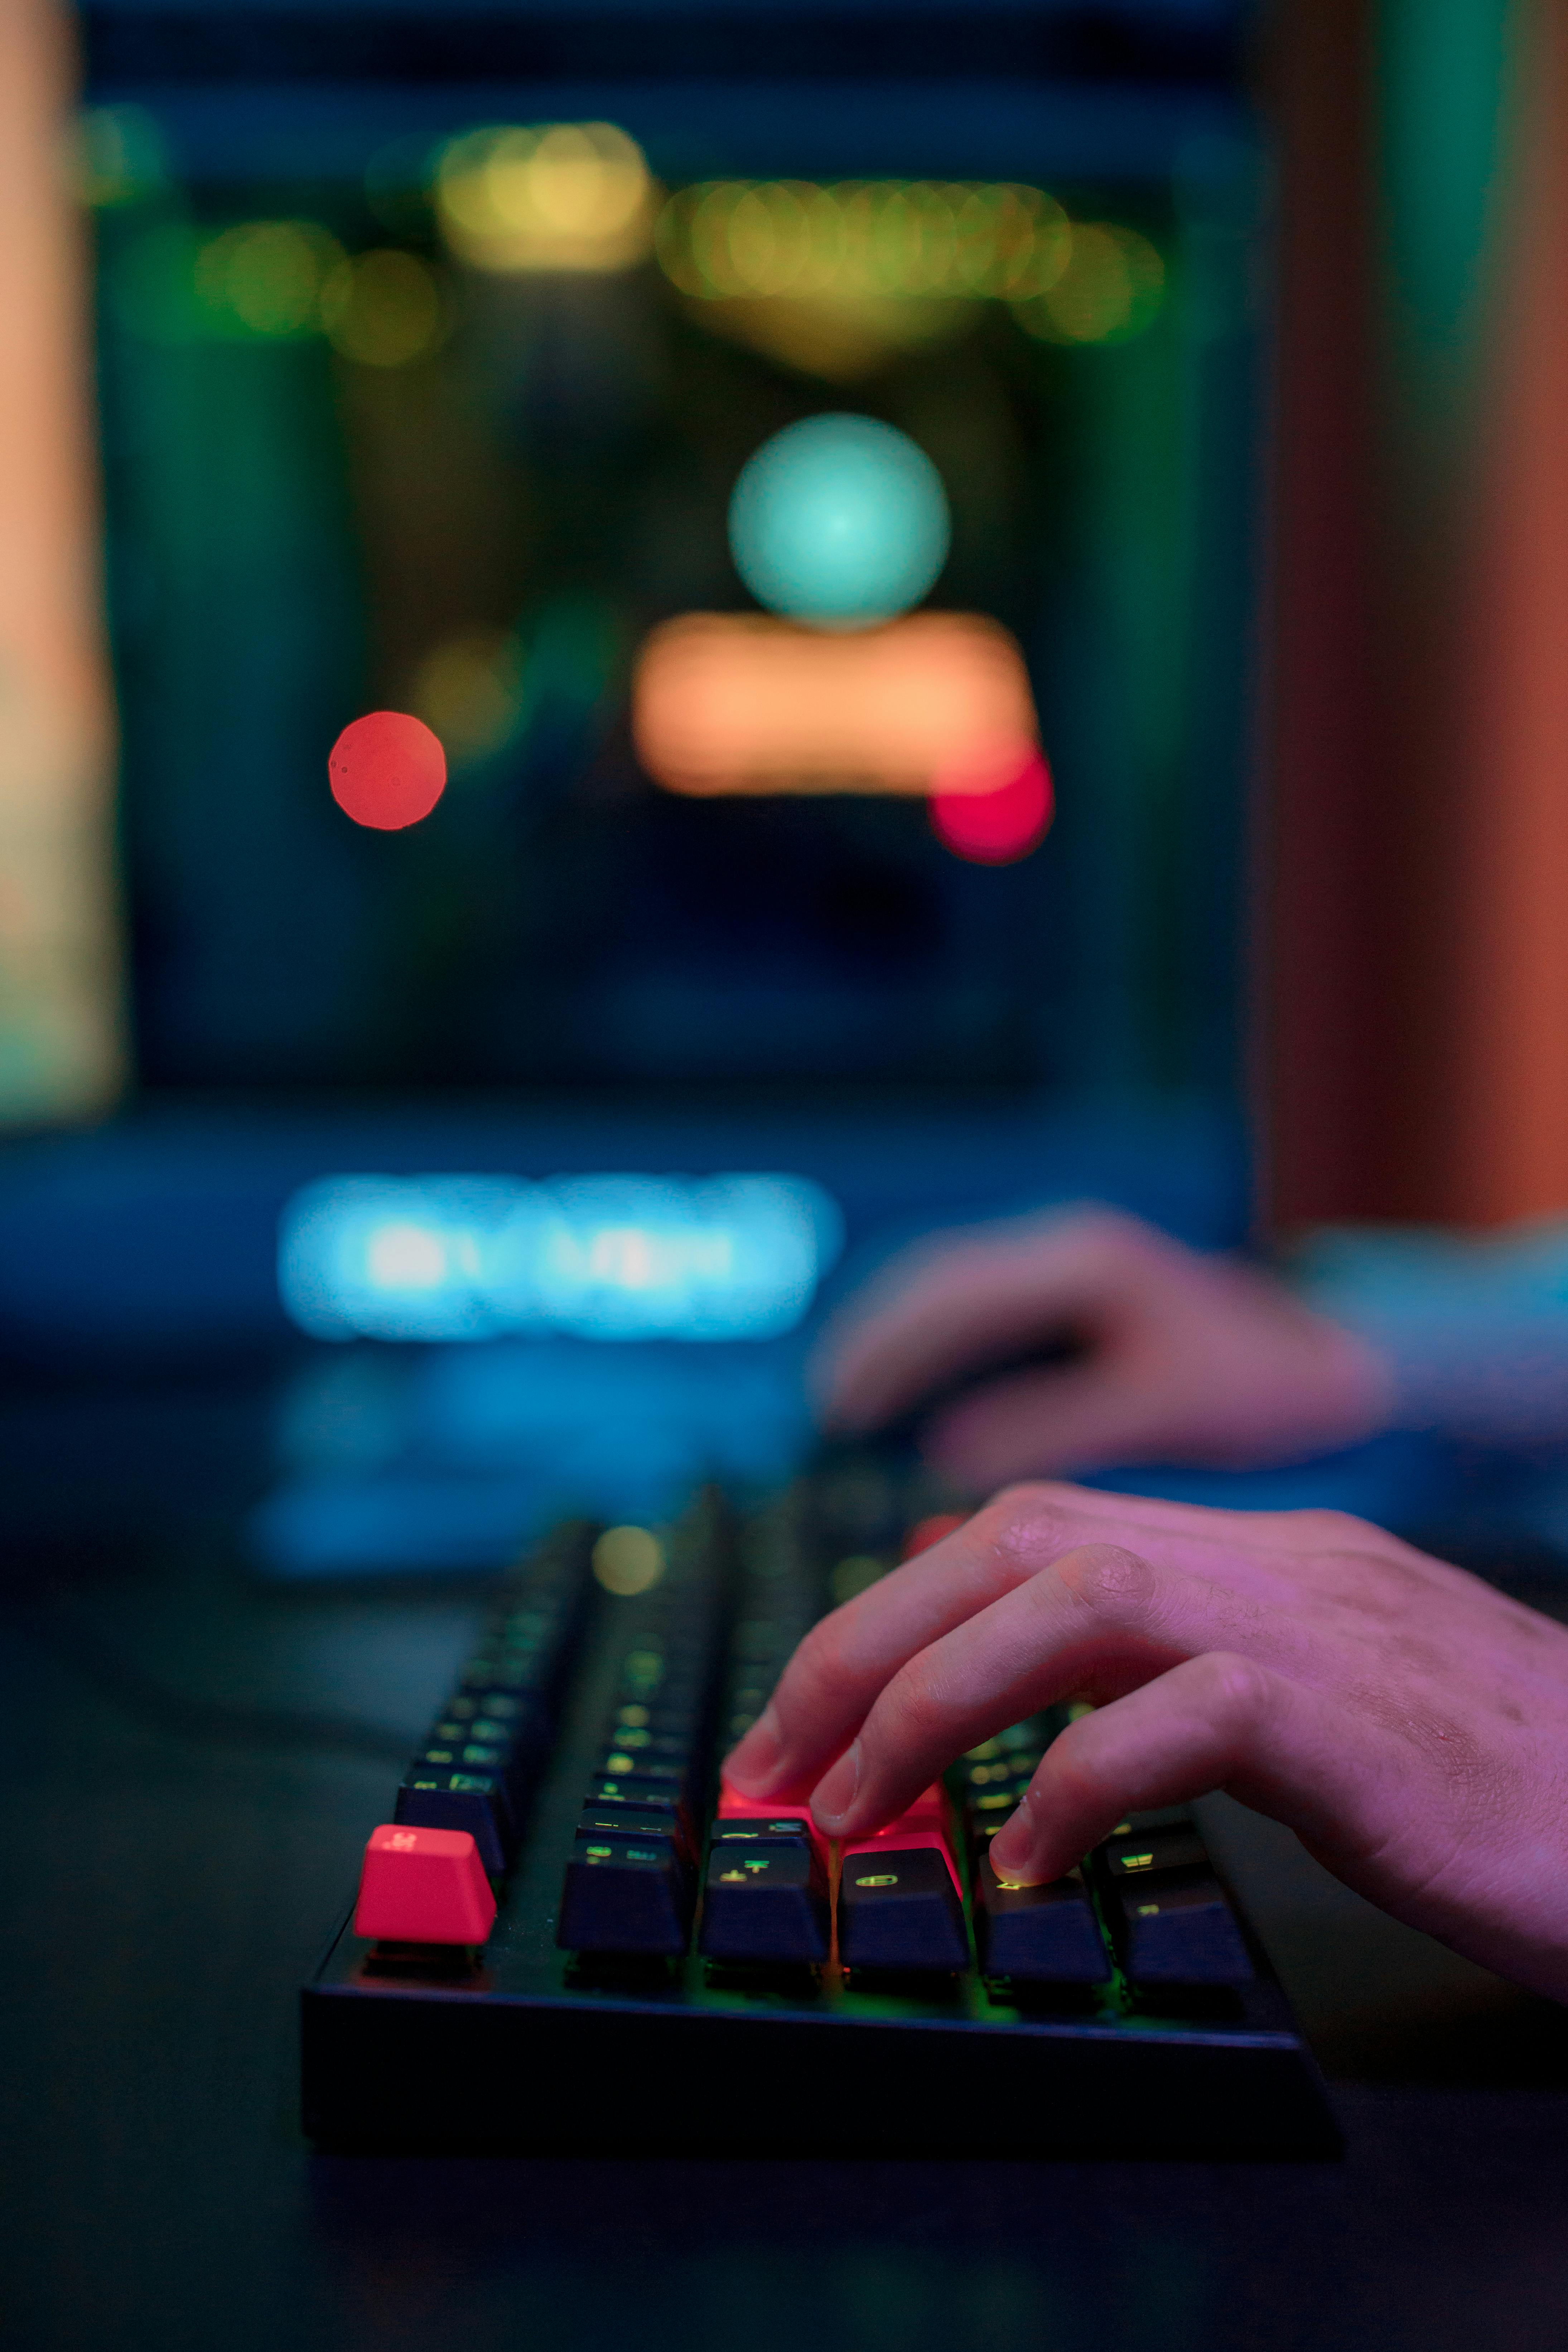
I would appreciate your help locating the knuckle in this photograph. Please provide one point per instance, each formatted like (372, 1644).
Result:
(1031, 1522)
(1235, 1690)
(1109, 1581)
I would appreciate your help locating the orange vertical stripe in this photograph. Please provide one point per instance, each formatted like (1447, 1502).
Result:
(1510, 1003)
(60, 1048)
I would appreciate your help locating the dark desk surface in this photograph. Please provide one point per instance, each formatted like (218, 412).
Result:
(168, 1890)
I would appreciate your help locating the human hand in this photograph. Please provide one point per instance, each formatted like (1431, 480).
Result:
(1185, 1358)
(1409, 1722)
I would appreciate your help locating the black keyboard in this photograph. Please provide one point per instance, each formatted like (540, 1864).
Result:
(572, 1935)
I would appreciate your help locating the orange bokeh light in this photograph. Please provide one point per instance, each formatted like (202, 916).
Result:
(726, 703)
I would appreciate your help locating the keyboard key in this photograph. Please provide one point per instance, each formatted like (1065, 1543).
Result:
(423, 1886)
(898, 1907)
(1046, 1935)
(635, 1789)
(626, 1895)
(1146, 1852)
(1178, 1930)
(658, 1772)
(475, 1801)
(766, 1899)
(637, 1822)
(733, 1807)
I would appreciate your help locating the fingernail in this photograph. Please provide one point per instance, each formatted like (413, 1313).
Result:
(753, 1766)
(1011, 1845)
(836, 1793)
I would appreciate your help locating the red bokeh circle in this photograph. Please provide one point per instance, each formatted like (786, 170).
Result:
(998, 826)
(387, 769)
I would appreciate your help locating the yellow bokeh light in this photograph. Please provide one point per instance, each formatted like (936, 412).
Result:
(468, 692)
(551, 196)
(1111, 289)
(728, 240)
(385, 308)
(265, 277)
(628, 1560)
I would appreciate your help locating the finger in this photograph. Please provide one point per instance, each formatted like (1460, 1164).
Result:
(1083, 1416)
(936, 1311)
(1102, 1620)
(1217, 1721)
(839, 1669)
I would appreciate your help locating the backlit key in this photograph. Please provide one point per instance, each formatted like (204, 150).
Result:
(434, 1797)
(898, 1907)
(766, 1899)
(626, 1894)
(1041, 1934)
(1178, 1930)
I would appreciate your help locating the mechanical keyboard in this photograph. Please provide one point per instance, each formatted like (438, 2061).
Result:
(574, 1935)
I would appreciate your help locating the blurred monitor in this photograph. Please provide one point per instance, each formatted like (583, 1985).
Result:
(786, 457)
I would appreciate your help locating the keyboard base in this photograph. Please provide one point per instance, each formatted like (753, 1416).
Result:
(688, 2062)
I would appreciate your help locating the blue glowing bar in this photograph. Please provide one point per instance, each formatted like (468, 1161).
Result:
(603, 1257)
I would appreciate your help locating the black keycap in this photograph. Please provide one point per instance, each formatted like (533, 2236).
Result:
(900, 1909)
(766, 1899)
(795, 1825)
(637, 1822)
(1147, 1852)
(1178, 1930)
(438, 1799)
(626, 1787)
(649, 1772)
(645, 1746)
(626, 1894)
(1041, 1934)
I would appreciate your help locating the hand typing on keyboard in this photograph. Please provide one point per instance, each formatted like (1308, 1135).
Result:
(1406, 1721)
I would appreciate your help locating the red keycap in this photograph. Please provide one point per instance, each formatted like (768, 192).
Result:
(926, 1532)
(424, 1886)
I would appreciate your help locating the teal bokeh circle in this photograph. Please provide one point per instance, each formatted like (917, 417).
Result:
(840, 522)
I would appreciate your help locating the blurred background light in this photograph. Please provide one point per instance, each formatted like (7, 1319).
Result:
(385, 308)
(728, 238)
(469, 690)
(551, 197)
(267, 277)
(999, 823)
(605, 1257)
(840, 521)
(628, 1560)
(734, 703)
(1111, 289)
(259, 279)
(387, 769)
(116, 157)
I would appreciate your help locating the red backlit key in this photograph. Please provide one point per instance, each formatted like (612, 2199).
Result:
(424, 1886)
